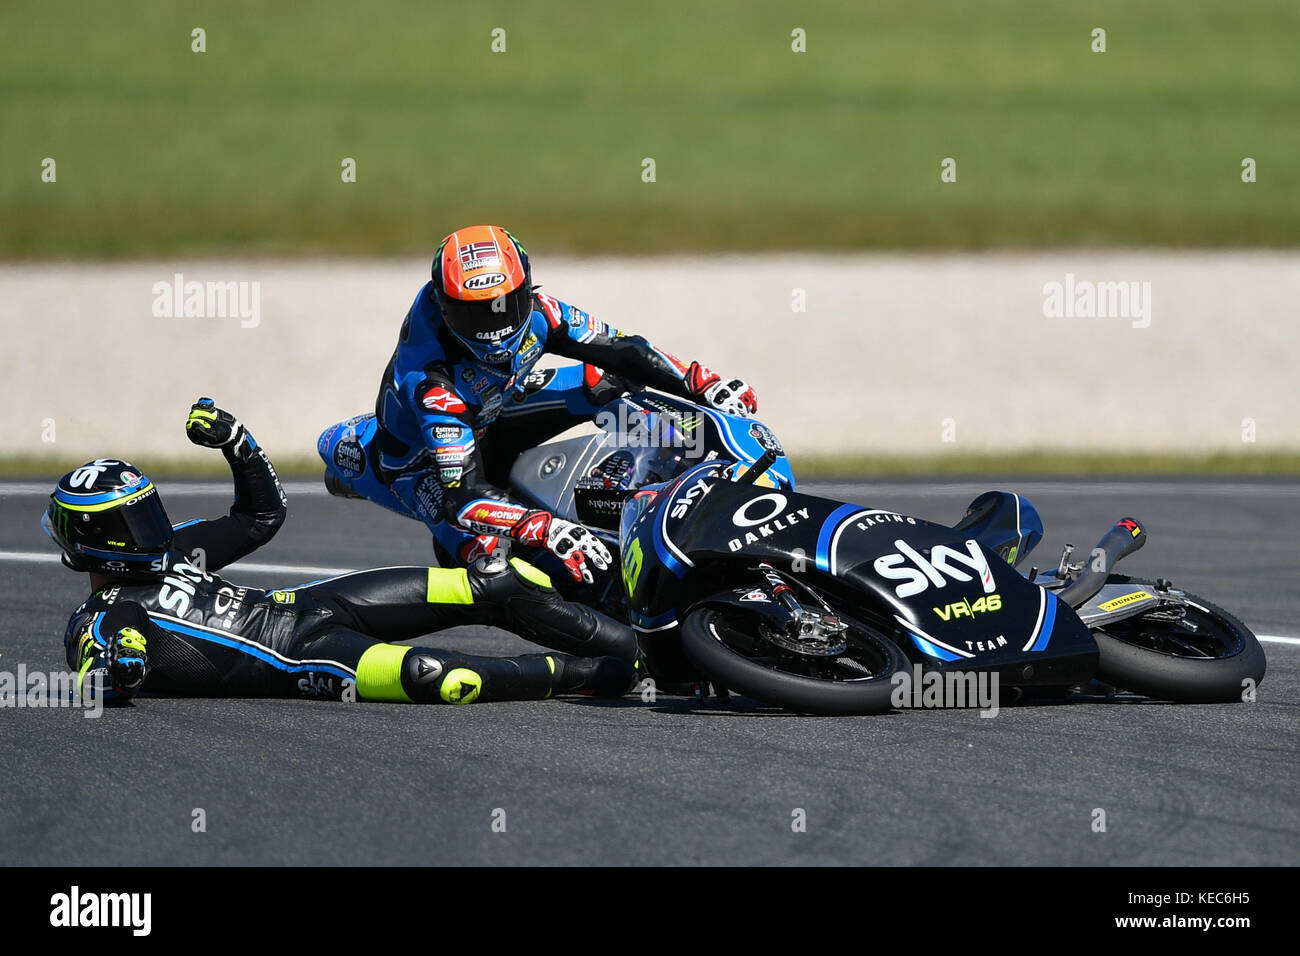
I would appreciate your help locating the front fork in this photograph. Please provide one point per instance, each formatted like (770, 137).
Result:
(810, 633)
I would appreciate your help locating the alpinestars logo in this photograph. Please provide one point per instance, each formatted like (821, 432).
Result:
(441, 400)
(534, 530)
(944, 564)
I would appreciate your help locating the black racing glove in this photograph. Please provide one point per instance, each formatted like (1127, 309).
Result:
(119, 668)
(212, 427)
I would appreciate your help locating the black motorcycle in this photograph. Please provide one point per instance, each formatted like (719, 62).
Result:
(732, 577)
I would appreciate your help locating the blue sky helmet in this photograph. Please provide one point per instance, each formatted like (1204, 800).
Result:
(106, 516)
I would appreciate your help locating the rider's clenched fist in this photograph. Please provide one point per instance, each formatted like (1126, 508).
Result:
(212, 427)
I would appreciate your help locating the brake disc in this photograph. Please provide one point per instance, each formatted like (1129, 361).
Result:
(817, 636)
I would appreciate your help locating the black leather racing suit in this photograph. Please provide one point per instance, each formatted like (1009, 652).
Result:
(328, 639)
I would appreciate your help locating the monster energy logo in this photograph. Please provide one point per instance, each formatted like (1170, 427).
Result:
(634, 426)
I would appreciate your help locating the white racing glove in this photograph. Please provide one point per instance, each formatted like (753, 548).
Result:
(571, 543)
(733, 396)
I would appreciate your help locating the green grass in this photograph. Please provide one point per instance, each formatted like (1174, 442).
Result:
(237, 150)
(1052, 463)
(1046, 463)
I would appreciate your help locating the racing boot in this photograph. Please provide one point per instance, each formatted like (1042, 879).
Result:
(337, 487)
(425, 675)
(599, 676)
(536, 612)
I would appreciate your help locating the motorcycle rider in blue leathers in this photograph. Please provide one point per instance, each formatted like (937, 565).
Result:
(461, 398)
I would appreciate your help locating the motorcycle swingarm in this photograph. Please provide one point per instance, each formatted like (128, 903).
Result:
(1119, 601)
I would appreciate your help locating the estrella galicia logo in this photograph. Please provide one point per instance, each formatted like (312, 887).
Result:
(428, 493)
(766, 438)
(350, 458)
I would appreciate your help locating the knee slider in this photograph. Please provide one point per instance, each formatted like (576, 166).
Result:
(422, 674)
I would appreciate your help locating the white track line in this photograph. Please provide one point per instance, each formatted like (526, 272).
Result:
(40, 557)
(253, 567)
(178, 489)
(1033, 488)
(1029, 488)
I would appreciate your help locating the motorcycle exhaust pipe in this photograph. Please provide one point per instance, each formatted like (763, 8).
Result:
(1119, 542)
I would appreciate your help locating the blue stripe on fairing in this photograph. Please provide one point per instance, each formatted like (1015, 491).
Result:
(640, 620)
(827, 532)
(675, 567)
(1049, 620)
(930, 650)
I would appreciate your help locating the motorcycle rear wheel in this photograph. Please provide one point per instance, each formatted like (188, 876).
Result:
(723, 645)
(1214, 660)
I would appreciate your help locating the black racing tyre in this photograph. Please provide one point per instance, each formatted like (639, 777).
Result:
(863, 686)
(1214, 661)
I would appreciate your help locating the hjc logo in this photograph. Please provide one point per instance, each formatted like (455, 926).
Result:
(938, 570)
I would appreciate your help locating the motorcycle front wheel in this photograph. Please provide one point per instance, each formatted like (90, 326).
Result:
(725, 644)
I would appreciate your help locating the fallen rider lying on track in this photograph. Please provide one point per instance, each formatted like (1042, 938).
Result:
(160, 619)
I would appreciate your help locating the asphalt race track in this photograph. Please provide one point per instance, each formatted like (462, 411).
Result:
(669, 781)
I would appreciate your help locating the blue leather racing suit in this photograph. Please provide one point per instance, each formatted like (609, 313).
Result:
(447, 426)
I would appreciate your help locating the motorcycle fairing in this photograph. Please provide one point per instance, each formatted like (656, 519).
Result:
(956, 602)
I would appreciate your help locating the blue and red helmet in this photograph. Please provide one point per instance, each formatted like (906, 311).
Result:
(484, 286)
(106, 516)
